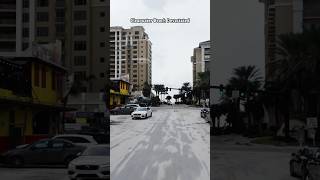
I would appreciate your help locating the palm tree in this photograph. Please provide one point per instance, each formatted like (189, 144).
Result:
(176, 97)
(185, 90)
(297, 71)
(201, 86)
(157, 88)
(146, 89)
(247, 80)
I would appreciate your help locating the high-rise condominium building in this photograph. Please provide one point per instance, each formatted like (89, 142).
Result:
(24, 22)
(80, 25)
(87, 41)
(16, 31)
(286, 16)
(131, 55)
(201, 59)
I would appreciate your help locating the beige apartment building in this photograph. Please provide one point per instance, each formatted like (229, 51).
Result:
(87, 23)
(286, 16)
(200, 59)
(131, 55)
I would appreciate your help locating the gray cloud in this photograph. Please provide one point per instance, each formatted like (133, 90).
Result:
(157, 5)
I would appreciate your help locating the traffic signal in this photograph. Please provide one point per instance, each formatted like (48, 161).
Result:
(166, 88)
(169, 89)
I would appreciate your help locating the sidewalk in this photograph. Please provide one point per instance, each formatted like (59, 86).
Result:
(238, 142)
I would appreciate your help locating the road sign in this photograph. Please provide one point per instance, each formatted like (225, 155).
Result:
(312, 122)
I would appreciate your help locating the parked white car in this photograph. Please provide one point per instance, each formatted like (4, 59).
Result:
(78, 139)
(94, 162)
(133, 105)
(141, 112)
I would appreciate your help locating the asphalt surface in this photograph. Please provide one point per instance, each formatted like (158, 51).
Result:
(233, 158)
(33, 174)
(171, 145)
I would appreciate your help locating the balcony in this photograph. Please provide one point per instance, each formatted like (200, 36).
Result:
(6, 6)
(8, 22)
(7, 36)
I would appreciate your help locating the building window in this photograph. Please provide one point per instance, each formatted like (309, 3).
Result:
(43, 3)
(79, 15)
(44, 77)
(25, 3)
(60, 3)
(80, 2)
(42, 31)
(25, 17)
(60, 14)
(42, 16)
(25, 32)
(80, 45)
(80, 30)
(102, 14)
(60, 28)
(80, 75)
(53, 80)
(36, 75)
(25, 46)
(136, 32)
(102, 59)
(80, 60)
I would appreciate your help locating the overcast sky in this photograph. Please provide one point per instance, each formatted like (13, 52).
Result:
(238, 37)
(172, 43)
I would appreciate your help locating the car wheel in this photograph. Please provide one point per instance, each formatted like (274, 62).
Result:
(67, 160)
(17, 161)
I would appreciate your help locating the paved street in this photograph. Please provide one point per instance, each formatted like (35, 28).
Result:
(33, 173)
(171, 145)
(234, 159)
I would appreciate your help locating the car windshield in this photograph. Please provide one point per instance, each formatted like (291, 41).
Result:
(141, 109)
(97, 151)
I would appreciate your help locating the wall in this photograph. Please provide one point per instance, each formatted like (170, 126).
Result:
(44, 95)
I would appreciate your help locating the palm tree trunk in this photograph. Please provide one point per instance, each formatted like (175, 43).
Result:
(286, 116)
